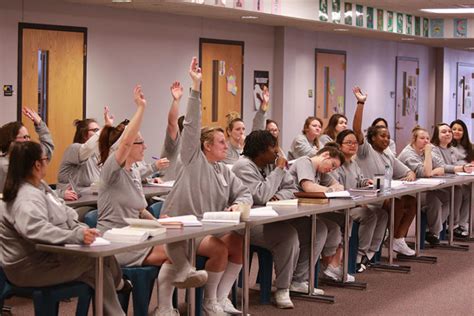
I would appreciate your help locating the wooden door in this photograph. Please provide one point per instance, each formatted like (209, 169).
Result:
(222, 80)
(65, 84)
(406, 100)
(465, 76)
(330, 84)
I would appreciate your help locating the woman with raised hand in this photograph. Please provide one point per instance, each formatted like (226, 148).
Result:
(313, 175)
(461, 142)
(307, 143)
(121, 193)
(419, 158)
(204, 183)
(373, 158)
(372, 218)
(337, 123)
(446, 155)
(17, 132)
(80, 162)
(34, 214)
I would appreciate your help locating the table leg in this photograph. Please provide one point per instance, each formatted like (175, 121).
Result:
(246, 271)
(99, 286)
(191, 291)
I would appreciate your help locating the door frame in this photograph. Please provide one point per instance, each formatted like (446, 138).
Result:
(203, 40)
(48, 27)
(328, 51)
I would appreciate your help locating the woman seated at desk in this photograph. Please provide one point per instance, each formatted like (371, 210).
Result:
(34, 214)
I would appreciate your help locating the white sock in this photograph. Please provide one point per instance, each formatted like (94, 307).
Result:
(165, 289)
(370, 254)
(228, 278)
(213, 280)
(177, 252)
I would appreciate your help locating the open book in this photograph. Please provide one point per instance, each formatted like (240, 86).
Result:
(366, 191)
(221, 217)
(182, 221)
(138, 230)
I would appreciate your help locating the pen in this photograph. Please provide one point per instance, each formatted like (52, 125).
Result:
(154, 157)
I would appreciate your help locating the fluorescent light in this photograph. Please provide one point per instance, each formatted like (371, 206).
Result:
(341, 30)
(449, 10)
(121, 1)
(249, 17)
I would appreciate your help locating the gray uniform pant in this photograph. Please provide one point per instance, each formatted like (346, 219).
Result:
(462, 199)
(437, 208)
(52, 269)
(372, 224)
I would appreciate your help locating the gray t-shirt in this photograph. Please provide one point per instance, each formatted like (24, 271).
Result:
(446, 157)
(303, 169)
(201, 186)
(350, 175)
(415, 161)
(324, 139)
(301, 147)
(265, 183)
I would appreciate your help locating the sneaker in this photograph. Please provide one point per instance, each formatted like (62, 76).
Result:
(400, 246)
(363, 264)
(210, 307)
(432, 238)
(228, 307)
(165, 312)
(303, 287)
(126, 287)
(282, 299)
(335, 273)
(194, 278)
(460, 233)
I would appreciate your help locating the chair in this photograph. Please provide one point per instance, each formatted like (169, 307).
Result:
(155, 208)
(46, 299)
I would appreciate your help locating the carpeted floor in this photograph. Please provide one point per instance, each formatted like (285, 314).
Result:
(444, 288)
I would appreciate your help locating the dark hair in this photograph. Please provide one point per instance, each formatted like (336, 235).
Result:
(465, 141)
(8, 133)
(340, 137)
(82, 129)
(373, 131)
(380, 119)
(257, 143)
(308, 121)
(180, 123)
(435, 138)
(330, 130)
(207, 135)
(334, 151)
(22, 159)
(269, 121)
(108, 136)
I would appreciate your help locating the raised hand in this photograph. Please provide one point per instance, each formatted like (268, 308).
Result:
(108, 118)
(176, 90)
(32, 115)
(361, 97)
(195, 74)
(139, 97)
(265, 99)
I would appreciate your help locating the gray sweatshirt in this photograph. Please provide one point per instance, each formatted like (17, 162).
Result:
(46, 142)
(301, 147)
(447, 158)
(37, 215)
(201, 186)
(259, 121)
(324, 139)
(170, 150)
(233, 154)
(350, 175)
(414, 161)
(265, 183)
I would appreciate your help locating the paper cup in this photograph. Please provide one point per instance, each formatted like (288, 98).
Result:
(244, 210)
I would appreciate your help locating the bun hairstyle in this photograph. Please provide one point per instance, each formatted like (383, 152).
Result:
(414, 133)
(334, 151)
(82, 129)
(108, 137)
(8, 133)
(232, 117)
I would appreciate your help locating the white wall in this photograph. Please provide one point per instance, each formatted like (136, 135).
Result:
(127, 47)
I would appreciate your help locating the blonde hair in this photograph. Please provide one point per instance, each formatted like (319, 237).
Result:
(232, 117)
(414, 133)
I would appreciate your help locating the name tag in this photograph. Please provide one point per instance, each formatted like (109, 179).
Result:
(222, 179)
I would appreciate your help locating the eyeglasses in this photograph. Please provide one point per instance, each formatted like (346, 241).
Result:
(25, 137)
(349, 143)
(95, 130)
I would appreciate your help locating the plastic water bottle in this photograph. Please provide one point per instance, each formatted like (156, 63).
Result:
(387, 183)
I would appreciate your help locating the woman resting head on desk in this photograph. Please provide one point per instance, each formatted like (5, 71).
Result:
(121, 193)
(312, 175)
(204, 183)
(35, 215)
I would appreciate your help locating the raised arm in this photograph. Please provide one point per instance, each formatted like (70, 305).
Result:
(42, 130)
(172, 127)
(131, 132)
(260, 118)
(357, 122)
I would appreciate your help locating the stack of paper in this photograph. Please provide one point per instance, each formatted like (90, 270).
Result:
(338, 194)
(266, 211)
(292, 202)
(221, 217)
(167, 184)
(186, 220)
(426, 181)
(99, 241)
(138, 230)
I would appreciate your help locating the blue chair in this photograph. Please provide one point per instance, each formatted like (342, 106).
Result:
(142, 278)
(155, 208)
(46, 299)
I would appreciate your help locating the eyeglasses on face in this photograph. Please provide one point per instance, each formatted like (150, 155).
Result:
(349, 143)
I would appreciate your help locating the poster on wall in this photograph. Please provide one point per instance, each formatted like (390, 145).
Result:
(426, 30)
(239, 4)
(370, 18)
(380, 19)
(409, 24)
(437, 28)
(336, 11)
(258, 5)
(417, 26)
(347, 13)
(323, 10)
(261, 83)
(460, 28)
(359, 15)
(399, 22)
(389, 21)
